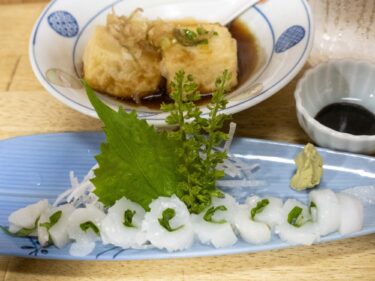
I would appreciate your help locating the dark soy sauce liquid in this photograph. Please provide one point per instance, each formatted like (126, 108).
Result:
(347, 118)
(247, 54)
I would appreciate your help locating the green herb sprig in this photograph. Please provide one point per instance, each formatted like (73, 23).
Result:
(198, 138)
(142, 164)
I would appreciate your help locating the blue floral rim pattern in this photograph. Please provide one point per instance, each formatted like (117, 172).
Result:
(64, 23)
(290, 38)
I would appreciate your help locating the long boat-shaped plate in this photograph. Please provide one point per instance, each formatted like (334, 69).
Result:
(36, 167)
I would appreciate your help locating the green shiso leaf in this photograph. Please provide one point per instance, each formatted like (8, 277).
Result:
(259, 207)
(211, 211)
(167, 215)
(89, 225)
(136, 161)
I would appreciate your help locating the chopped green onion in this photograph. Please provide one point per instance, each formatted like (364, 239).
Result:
(259, 207)
(53, 219)
(89, 225)
(211, 211)
(128, 218)
(167, 215)
(294, 217)
(312, 205)
(188, 37)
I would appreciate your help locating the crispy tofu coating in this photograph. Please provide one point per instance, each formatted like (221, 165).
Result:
(119, 61)
(131, 57)
(205, 57)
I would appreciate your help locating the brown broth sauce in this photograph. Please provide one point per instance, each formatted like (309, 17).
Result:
(248, 57)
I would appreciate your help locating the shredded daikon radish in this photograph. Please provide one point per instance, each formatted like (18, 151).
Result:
(241, 183)
(234, 167)
(232, 130)
(79, 193)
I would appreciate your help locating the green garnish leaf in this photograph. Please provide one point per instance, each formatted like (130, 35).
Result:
(188, 37)
(198, 138)
(89, 225)
(20, 233)
(167, 215)
(53, 219)
(259, 207)
(211, 211)
(136, 162)
(294, 217)
(128, 218)
(141, 164)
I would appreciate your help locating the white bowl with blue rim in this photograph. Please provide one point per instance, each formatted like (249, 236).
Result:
(58, 40)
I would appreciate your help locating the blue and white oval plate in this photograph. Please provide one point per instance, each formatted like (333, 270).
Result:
(283, 30)
(37, 167)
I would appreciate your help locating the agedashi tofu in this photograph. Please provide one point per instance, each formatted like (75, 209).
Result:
(205, 60)
(131, 57)
(112, 68)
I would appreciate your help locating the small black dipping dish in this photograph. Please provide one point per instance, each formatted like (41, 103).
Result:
(348, 118)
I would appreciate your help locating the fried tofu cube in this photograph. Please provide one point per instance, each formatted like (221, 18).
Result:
(112, 68)
(204, 61)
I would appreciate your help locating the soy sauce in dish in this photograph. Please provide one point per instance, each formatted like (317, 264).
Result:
(248, 58)
(347, 118)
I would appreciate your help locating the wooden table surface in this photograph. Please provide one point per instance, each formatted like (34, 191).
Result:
(26, 108)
